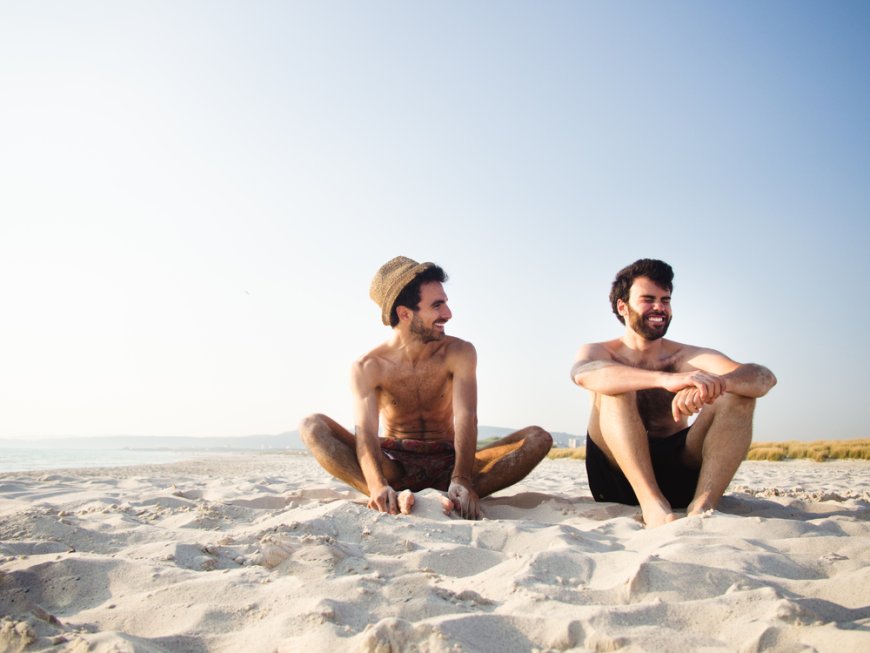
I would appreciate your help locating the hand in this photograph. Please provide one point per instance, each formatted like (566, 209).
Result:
(384, 500)
(709, 386)
(464, 498)
(687, 402)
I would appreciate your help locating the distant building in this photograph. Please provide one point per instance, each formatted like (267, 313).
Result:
(574, 443)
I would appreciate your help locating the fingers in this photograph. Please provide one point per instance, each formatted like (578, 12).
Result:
(710, 386)
(406, 501)
(385, 501)
(446, 505)
(686, 403)
(467, 505)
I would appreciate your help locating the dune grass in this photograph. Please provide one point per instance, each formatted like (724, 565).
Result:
(818, 450)
(577, 453)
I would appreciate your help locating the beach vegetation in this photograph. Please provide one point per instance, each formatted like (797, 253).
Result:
(819, 450)
(575, 453)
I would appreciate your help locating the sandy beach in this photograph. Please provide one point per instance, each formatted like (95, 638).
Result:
(267, 553)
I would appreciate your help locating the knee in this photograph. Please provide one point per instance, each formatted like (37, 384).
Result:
(737, 404)
(539, 438)
(310, 426)
(623, 398)
(620, 404)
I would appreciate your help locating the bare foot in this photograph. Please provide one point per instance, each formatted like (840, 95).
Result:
(446, 505)
(657, 513)
(406, 501)
(698, 508)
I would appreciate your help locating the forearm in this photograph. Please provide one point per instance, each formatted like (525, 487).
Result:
(368, 453)
(609, 378)
(465, 442)
(749, 380)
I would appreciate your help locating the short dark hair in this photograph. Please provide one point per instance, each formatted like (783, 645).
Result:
(410, 295)
(656, 271)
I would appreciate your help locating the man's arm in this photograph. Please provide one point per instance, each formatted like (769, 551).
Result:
(694, 386)
(595, 370)
(461, 490)
(745, 379)
(368, 450)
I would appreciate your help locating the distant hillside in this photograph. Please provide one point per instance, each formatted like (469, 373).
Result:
(559, 439)
(288, 440)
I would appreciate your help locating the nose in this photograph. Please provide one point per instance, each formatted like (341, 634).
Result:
(446, 313)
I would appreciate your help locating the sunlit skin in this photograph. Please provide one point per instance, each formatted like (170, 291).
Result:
(680, 381)
(421, 384)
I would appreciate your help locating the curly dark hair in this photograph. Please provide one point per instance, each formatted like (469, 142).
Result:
(410, 295)
(656, 271)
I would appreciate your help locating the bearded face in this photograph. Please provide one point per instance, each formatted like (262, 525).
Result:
(426, 334)
(650, 325)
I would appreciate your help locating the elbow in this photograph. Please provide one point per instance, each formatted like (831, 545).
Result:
(771, 380)
(579, 376)
(465, 418)
(766, 379)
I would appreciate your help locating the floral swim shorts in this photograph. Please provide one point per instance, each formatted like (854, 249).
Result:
(425, 463)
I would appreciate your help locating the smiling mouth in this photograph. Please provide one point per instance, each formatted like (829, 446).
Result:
(656, 319)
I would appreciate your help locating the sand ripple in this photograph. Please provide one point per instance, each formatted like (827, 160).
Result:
(266, 553)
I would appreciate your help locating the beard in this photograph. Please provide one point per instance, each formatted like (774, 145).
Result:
(426, 334)
(646, 330)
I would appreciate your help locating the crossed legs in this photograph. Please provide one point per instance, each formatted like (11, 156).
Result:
(716, 445)
(496, 466)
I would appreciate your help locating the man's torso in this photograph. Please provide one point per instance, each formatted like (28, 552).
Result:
(653, 404)
(416, 400)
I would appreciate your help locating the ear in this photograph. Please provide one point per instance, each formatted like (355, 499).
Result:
(404, 313)
(621, 308)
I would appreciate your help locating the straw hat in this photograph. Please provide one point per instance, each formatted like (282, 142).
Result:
(391, 279)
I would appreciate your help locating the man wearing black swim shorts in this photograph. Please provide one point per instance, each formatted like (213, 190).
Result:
(640, 448)
(419, 388)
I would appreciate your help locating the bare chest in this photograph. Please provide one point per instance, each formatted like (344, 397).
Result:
(426, 386)
(654, 404)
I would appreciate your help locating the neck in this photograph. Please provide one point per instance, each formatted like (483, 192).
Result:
(410, 344)
(636, 342)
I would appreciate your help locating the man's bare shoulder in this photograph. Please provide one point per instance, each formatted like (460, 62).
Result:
(459, 347)
(668, 354)
(686, 352)
(593, 351)
(692, 357)
(372, 364)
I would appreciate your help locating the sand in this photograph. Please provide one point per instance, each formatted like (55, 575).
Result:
(268, 553)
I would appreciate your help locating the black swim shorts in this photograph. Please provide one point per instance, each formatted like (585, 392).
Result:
(675, 479)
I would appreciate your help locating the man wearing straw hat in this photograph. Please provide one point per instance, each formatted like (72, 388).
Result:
(420, 387)
(640, 449)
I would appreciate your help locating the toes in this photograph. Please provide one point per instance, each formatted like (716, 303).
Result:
(406, 501)
(446, 505)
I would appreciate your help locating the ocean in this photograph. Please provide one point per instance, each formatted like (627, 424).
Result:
(26, 460)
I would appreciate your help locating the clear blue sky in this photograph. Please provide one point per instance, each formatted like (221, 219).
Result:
(194, 197)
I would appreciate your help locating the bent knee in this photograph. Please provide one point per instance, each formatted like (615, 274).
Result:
(626, 399)
(539, 437)
(310, 426)
(737, 403)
